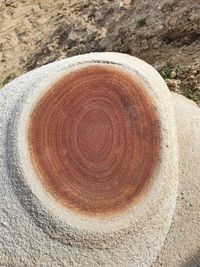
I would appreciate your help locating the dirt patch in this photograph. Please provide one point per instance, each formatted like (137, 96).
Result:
(184, 79)
(164, 33)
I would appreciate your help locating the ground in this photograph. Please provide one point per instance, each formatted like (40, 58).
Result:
(164, 33)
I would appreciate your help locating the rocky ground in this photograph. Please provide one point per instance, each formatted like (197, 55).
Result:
(164, 33)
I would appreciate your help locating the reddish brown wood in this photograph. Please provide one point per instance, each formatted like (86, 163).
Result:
(94, 140)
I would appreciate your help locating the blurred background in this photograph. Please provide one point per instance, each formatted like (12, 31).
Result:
(165, 33)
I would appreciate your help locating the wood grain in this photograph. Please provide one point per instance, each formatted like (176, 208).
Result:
(94, 140)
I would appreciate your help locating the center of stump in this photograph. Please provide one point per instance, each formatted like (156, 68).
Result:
(93, 135)
(94, 140)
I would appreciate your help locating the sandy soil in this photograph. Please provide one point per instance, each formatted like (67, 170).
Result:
(164, 33)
